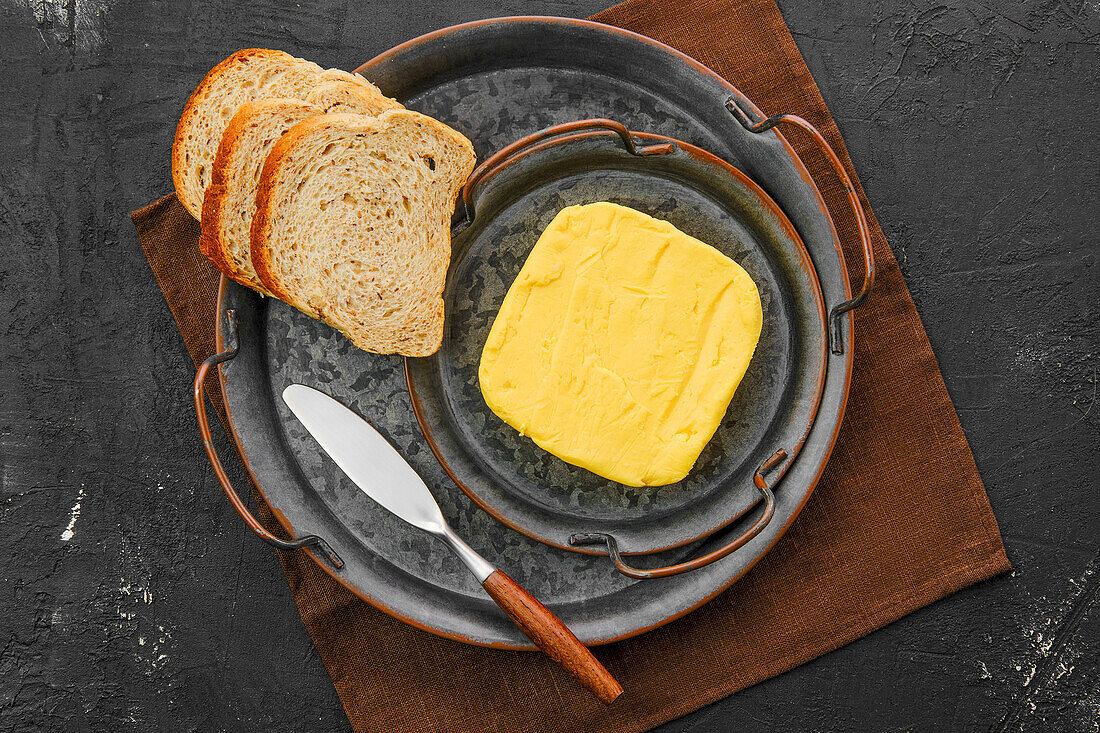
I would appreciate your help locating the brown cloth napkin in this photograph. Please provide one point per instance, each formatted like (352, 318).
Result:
(900, 518)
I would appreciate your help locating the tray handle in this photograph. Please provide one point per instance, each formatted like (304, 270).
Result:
(204, 427)
(593, 538)
(837, 335)
(511, 153)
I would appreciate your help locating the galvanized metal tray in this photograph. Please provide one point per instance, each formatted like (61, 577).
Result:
(517, 192)
(497, 81)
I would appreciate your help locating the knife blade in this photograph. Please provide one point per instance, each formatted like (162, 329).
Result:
(385, 476)
(365, 456)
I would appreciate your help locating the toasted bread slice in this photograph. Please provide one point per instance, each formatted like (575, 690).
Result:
(352, 224)
(247, 75)
(229, 203)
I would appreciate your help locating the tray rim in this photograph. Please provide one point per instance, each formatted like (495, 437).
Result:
(691, 62)
(827, 446)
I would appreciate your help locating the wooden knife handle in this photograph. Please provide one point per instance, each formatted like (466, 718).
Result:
(551, 635)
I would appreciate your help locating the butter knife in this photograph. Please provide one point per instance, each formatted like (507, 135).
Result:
(385, 476)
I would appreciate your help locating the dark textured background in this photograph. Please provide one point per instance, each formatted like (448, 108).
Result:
(131, 597)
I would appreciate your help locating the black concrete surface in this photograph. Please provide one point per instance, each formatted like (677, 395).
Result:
(131, 598)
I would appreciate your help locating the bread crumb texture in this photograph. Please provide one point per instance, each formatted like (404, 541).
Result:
(353, 224)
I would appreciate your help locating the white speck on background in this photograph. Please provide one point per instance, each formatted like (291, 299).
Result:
(159, 654)
(74, 514)
(135, 590)
(985, 675)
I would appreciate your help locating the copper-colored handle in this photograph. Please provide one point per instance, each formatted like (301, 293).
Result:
(593, 538)
(551, 635)
(511, 153)
(853, 200)
(208, 442)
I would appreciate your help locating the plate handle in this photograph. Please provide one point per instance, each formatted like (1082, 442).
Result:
(837, 335)
(204, 427)
(509, 154)
(592, 538)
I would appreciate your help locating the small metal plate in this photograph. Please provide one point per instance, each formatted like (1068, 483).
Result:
(497, 81)
(774, 407)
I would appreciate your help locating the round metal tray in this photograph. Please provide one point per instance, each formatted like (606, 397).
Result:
(775, 404)
(497, 81)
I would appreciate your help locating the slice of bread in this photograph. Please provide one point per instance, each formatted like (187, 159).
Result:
(352, 224)
(247, 75)
(229, 203)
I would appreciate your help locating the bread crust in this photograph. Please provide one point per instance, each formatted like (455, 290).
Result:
(261, 222)
(212, 242)
(342, 91)
(214, 198)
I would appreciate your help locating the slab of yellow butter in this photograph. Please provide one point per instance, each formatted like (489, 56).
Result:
(620, 344)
